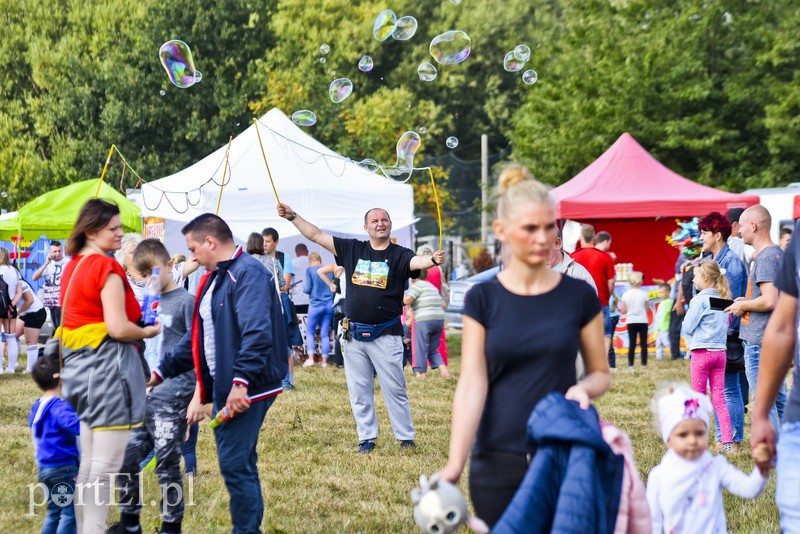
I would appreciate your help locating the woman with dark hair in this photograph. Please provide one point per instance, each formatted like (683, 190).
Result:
(103, 376)
(714, 232)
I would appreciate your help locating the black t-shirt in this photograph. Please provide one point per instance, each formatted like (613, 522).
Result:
(787, 282)
(531, 345)
(375, 280)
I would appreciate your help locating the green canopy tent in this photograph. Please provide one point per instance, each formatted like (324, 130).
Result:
(54, 213)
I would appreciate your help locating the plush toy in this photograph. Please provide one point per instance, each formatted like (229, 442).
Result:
(440, 508)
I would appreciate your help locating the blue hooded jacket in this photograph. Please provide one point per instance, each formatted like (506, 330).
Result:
(574, 480)
(54, 430)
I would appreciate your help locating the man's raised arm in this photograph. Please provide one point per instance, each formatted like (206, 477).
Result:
(308, 230)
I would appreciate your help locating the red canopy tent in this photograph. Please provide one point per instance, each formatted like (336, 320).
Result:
(635, 198)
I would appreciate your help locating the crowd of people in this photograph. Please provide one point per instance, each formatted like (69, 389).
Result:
(117, 393)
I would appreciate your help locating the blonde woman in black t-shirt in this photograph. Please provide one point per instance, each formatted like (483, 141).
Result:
(521, 335)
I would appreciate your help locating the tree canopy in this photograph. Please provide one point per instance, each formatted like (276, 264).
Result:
(709, 87)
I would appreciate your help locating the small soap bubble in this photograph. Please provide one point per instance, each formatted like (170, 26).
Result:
(530, 77)
(422, 130)
(512, 64)
(324, 49)
(176, 57)
(426, 72)
(304, 117)
(451, 142)
(365, 64)
(405, 28)
(333, 73)
(522, 52)
(322, 60)
(450, 48)
(385, 24)
(369, 164)
(340, 89)
(455, 2)
(162, 92)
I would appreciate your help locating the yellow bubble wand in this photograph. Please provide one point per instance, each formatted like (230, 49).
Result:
(264, 154)
(224, 173)
(105, 168)
(438, 207)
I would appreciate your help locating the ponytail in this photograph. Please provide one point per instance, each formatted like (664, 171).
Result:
(713, 271)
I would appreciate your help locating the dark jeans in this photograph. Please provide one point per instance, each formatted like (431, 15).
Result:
(55, 317)
(190, 451)
(675, 324)
(60, 482)
(494, 478)
(634, 330)
(612, 354)
(236, 449)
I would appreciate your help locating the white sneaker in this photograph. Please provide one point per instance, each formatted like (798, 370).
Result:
(309, 362)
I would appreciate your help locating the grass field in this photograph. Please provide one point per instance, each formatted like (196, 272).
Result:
(313, 481)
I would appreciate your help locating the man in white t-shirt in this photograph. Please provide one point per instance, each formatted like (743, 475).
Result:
(51, 271)
(300, 264)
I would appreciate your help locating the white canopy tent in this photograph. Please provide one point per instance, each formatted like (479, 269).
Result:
(324, 187)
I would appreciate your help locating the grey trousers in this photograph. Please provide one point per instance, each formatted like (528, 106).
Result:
(426, 345)
(384, 356)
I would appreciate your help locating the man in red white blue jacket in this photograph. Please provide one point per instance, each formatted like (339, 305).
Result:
(237, 347)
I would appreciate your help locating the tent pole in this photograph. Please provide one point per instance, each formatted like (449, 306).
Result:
(105, 168)
(224, 173)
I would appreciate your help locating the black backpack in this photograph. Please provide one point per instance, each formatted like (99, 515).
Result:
(6, 309)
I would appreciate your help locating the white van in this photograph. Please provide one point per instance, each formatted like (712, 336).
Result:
(780, 202)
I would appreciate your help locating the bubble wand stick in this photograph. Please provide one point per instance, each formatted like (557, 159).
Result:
(261, 145)
(224, 173)
(438, 208)
(105, 168)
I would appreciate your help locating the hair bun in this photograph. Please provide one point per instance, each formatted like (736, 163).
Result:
(513, 175)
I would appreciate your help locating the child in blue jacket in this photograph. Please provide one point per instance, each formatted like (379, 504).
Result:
(54, 431)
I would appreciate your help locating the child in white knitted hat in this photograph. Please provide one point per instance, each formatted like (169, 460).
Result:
(684, 491)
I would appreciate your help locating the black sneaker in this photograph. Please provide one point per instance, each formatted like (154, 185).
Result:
(366, 446)
(119, 528)
(407, 444)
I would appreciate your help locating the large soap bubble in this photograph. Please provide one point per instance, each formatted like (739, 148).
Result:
(512, 64)
(304, 117)
(365, 64)
(522, 52)
(426, 72)
(407, 148)
(405, 28)
(385, 25)
(176, 57)
(530, 77)
(451, 47)
(340, 89)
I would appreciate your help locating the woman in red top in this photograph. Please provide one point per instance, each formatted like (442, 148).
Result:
(103, 377)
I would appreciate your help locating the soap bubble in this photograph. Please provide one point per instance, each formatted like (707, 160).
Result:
(365, 64)
(455, 2)
(522, 52)
(304, 117)
(368, 164)
(451, 142)
(162, 92)
(405, 29)
(426, 72)
(512, 64)
(333, 73)
(340, 89)
(407, 147)
(385, 24)
(422, 130)
(176, 57)
(324, 49)
(451, 47)
(530, 77)
(322, 60)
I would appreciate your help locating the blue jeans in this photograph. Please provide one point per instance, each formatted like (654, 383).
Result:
(190, 451)
(236, 449)
(786, 494)
(607, 329)
(60, 481)
(733, 400)
(752, 358)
